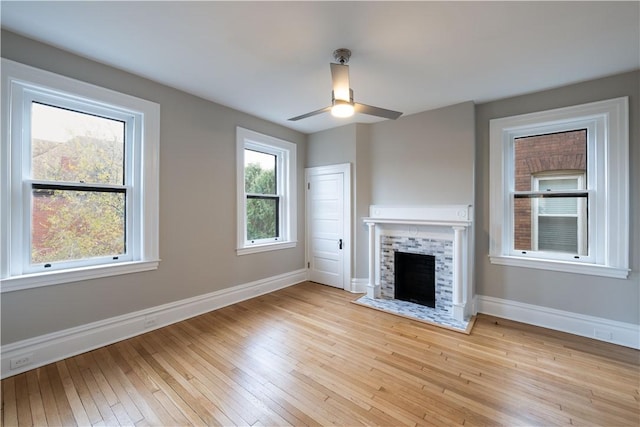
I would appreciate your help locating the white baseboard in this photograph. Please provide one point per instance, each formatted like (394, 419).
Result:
(38, 351)
(625, 334)
(359, 286)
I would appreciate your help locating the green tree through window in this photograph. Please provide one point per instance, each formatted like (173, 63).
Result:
(262, 199)
(78, 198)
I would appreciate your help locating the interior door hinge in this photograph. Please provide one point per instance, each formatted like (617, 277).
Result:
(308, 186)
(308, 265)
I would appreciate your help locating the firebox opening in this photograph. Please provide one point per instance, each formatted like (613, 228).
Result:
(415, 278)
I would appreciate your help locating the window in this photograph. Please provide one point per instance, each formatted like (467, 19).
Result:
(266, 192)
(79, 187)
(559, 189)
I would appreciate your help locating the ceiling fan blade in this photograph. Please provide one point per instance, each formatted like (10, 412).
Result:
(340, 79)
(313, 113)
(376, 111)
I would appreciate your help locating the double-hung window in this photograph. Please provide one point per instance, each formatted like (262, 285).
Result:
(79, 169)
(266, 192)
(559, 189)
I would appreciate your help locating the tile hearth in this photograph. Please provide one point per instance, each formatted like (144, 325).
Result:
(417, 312)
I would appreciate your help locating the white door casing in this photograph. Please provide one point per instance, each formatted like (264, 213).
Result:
(328, 222)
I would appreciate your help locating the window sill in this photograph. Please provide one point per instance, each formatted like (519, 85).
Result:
(266, 247)
(36, 280)
(563, 266)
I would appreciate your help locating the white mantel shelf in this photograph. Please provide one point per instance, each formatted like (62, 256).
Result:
(371, 220)
(444, 215)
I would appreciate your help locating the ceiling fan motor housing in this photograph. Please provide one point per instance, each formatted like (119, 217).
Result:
(342, 55)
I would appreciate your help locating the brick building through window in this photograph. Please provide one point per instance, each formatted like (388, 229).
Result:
(544, 163)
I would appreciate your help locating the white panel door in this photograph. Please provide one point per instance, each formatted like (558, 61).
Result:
(327, 243)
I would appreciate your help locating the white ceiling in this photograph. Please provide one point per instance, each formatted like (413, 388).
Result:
(271, 59)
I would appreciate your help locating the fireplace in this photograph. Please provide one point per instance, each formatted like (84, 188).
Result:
(440, 233)
(415, 278)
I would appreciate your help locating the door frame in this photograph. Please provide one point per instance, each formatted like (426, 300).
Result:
(345, 170)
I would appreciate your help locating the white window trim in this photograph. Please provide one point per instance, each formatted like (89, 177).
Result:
(610, 120)
(17, 77)
(246, 138)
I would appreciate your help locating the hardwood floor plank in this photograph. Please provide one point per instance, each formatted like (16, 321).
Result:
(118, 382)
(22, 399)
(48, 399)
(79, 413)
(153, 412)
(9, 403)
(305, 355)
(35, 399)
(99, 399)
(121, 415)
(83, 391)
(64, 409)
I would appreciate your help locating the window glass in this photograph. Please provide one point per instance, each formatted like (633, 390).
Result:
(550, 211)
(261, 187)
(72, 146)
(78, 206)
(262, 218)
(259, 172)
(71, 225)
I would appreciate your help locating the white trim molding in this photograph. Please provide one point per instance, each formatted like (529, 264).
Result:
(359, 285)
(621, 333)
(59, 345)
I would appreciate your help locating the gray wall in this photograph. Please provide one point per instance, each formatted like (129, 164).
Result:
(613, 299)
(197, 207)
(424, 159)
(332, 147)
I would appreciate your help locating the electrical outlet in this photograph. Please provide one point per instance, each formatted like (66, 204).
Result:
(20, 361)
(150, 321)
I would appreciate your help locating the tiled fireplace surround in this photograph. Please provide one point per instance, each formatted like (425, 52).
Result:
(441, 231)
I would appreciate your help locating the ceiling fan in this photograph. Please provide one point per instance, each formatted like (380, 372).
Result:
(342, 104)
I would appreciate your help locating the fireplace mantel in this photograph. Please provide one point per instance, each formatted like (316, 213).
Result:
(444, 222)
(439, 215)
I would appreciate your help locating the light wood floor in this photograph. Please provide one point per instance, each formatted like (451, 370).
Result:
(306, 356)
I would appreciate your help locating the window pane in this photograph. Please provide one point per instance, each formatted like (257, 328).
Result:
(262, 218)
(522, 224)
(259, 172)
(76, 147)
(72, 225)
(558, 206)
(563, 151)
(556, 224)
(558, 184)
(558, 234)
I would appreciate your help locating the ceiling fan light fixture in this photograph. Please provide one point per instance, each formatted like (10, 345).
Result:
(342, 109)
(342, 104)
